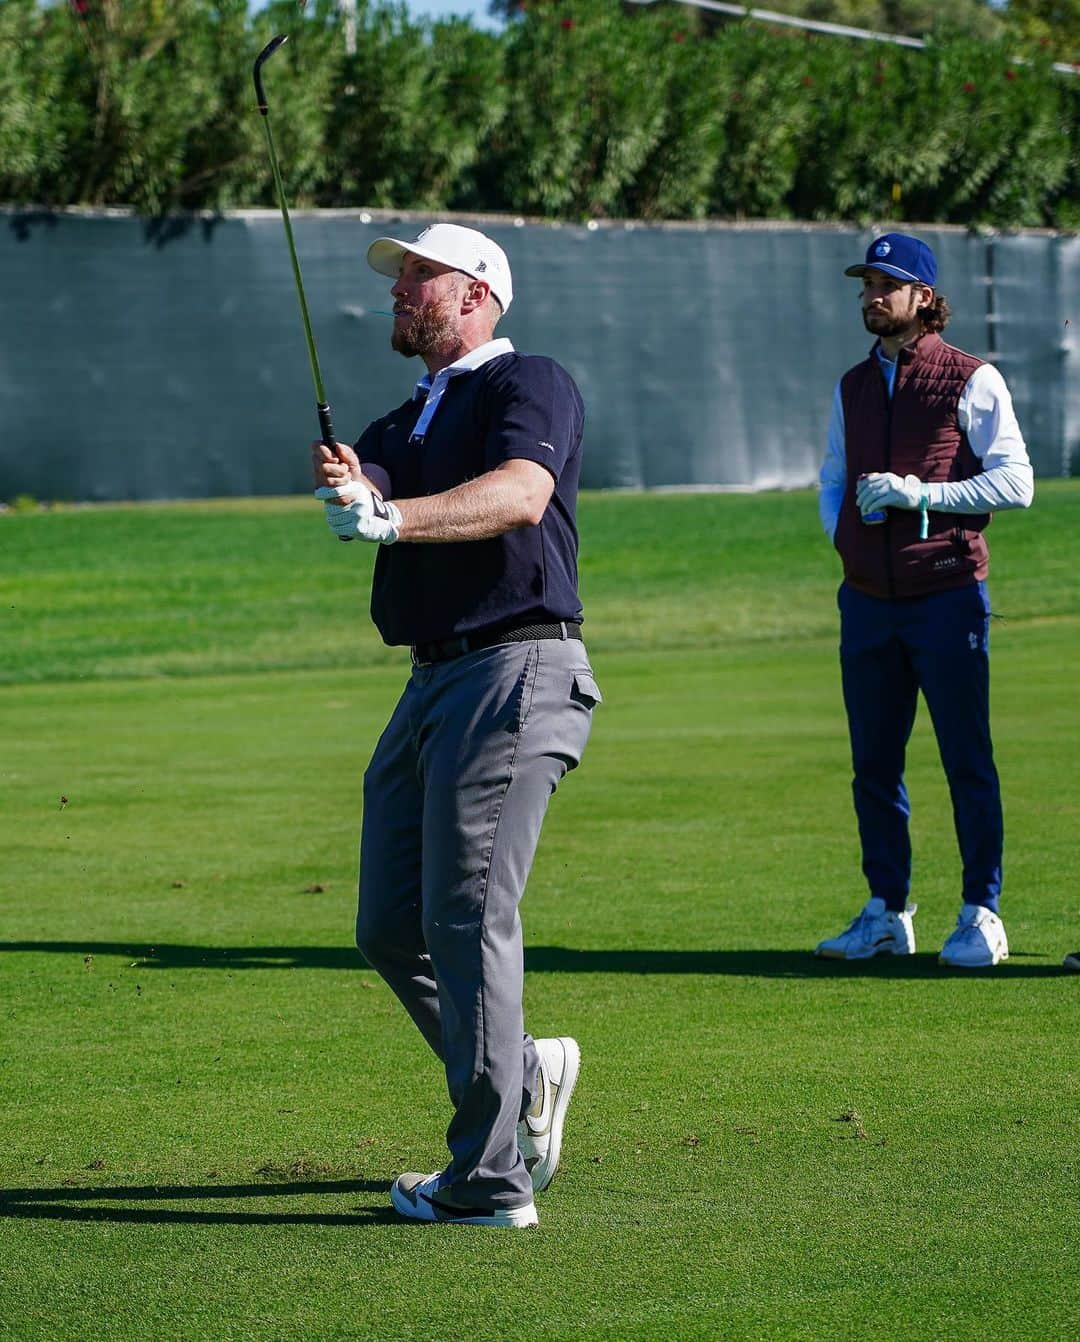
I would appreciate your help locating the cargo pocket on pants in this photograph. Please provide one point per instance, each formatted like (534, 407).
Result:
(585, 690)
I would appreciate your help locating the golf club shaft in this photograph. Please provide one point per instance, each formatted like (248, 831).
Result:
(321, 405)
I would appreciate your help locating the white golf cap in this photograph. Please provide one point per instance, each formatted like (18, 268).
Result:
(465, 249)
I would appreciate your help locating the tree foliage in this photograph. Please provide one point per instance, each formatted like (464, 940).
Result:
(579, 108)
(1051, 26)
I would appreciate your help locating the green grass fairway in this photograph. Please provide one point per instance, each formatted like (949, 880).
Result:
(205, 1095)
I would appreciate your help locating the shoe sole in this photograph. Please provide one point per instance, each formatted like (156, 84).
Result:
(509, 1217)
(968, 964)
(880, 950)
(545, 1171)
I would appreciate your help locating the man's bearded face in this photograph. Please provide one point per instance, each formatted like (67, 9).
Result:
(889, 306)
(427, 327)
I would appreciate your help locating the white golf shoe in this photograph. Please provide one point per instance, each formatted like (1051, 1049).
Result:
(539, 1134)
(419, 1197)
(875, 931)
(978, 942)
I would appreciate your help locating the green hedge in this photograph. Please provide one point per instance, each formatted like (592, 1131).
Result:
(578, 108)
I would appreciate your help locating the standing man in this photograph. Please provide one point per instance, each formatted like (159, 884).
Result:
(923, 445)
(470, 489)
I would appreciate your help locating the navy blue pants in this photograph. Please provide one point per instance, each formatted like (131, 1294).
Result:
(889, 651)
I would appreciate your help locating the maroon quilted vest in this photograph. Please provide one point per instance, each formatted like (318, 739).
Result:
(916, 433)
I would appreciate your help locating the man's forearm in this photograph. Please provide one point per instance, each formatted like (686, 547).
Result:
(377, 477)
(479, 509)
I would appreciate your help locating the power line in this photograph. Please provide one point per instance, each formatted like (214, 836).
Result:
(819, 26)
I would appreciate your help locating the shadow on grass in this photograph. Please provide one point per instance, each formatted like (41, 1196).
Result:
(772, 964)
(73, 1204)
(545, 960)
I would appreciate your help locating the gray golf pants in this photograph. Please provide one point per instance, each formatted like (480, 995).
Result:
(454, 798)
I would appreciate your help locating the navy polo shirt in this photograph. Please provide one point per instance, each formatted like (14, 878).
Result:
(513, 406)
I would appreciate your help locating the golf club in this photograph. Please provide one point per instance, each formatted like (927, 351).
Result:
(321, 405)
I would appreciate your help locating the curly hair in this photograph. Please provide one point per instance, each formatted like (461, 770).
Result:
(936, 316)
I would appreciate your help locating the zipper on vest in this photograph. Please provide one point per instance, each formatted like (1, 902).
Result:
(887, 528)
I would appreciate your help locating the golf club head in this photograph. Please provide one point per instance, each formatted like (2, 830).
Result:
(260, 60)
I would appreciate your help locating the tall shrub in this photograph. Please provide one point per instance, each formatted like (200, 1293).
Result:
(136, 85)
(32, 137)
(411, 111)
(579, 108)
(586, 93)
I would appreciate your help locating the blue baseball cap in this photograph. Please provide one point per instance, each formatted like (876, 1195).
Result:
(901, 256)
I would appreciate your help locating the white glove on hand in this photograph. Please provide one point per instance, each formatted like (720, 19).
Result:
(885, 490)
(365, 517)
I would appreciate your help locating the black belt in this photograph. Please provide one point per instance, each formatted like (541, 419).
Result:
(444, 649)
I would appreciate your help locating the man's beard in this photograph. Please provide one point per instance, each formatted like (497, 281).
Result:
(886, 327)
(429, 330)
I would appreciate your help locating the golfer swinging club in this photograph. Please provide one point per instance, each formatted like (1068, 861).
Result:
(470, 489)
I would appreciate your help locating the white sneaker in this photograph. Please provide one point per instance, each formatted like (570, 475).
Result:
(978, 942)
(418, 1197)
(875, 931)
(539, 1134)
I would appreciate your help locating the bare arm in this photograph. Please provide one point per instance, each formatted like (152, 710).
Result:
(515, 494)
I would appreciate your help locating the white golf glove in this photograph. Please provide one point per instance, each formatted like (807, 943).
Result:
(885, 490)
(365, 517)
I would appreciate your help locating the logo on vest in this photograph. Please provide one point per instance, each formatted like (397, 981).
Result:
(883, 248)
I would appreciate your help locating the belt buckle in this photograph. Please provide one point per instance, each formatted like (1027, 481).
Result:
(440, 651)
